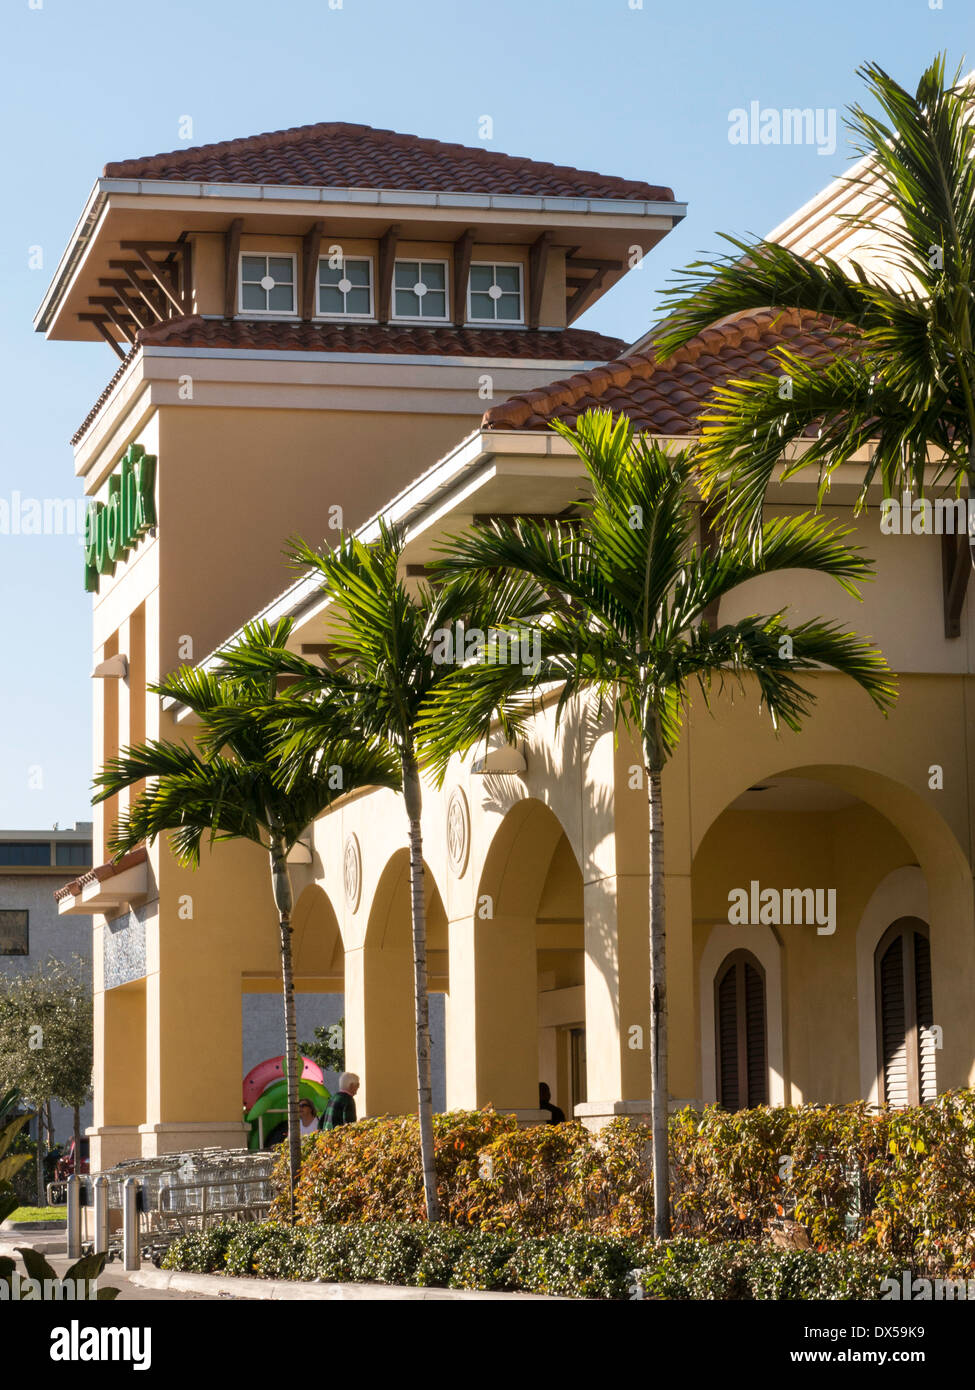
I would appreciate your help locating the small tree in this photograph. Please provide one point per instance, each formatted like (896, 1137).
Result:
(231, 788)
(624, 595)
(328, 1049)
(46, 1042)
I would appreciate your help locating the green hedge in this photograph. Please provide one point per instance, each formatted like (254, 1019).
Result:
(902, 1182)
(568, 1266)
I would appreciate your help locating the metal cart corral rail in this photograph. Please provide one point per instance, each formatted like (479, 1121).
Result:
(180, 1192)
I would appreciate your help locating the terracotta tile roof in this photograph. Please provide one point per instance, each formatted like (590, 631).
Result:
(101, 872)
(567, 345)
(434, 340)
(669, 397)
(334, 154)
(89, 419)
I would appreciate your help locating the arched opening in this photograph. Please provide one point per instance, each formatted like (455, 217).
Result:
(741, 1062)
(906, 1054)
(517, 1002)
(807, 870)
(384, 1039)
(318, 965)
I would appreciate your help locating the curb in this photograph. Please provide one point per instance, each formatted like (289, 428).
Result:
(16, 1227)
(229, 1286)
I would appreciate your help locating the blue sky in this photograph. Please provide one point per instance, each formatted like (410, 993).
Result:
(601, 84)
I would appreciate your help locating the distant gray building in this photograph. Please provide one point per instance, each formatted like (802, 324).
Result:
(33, 864)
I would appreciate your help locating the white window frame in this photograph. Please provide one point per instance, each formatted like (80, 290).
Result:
(421, 261)
(347, 317)
(495, 266)
(291, 313)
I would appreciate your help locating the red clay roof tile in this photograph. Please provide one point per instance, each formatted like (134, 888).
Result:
(335, 154)
(565, 345)
(441, 340)
(669, 397)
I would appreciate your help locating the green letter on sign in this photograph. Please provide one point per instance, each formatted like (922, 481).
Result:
(113, 527)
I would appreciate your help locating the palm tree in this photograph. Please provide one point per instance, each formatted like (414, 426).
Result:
(902, 386)
(626, 590)
(386, 656)
(229, 787)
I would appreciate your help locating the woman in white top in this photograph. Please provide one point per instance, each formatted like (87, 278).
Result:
(308, 1118)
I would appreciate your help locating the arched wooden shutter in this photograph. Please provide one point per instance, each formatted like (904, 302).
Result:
(925, 1018)
(905, 1015)
(742, 1065)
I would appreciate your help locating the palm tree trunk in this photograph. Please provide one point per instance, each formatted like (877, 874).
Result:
(424, 1091)
(284, 901)
(658, 1016)
(77, 1139)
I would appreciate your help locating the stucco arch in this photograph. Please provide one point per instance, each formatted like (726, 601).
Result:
(389, 922)
(317, 945)
(517, 863)
(908, 861)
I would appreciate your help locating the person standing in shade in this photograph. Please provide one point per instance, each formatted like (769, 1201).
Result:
(341, 1108)
(555, 1115)
(308, 1118)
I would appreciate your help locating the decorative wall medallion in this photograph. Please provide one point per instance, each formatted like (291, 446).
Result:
(352, 872)
(458, 831)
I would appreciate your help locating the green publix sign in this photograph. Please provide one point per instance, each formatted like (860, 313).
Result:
(112, 528)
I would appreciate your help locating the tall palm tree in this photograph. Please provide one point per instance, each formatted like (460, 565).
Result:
(626, 590)
(902, 386)
(229, 787)
(386, 656)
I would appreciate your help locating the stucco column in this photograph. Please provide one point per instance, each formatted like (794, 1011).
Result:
(617, 939)
(492, 1016)
(380, 1029)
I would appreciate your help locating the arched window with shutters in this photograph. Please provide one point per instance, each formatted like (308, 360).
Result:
(905, 1014)
(740, 1032)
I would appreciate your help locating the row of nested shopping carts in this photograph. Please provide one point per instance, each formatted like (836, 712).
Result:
(182, 1192)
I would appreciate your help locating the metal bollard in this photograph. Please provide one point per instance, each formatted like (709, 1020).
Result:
(101, 1213)
(130, 1225)
(74, 1217)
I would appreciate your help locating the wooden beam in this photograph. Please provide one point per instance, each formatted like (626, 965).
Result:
(131, 271)
(102, 326)
(186, 277)
(956, 564)
(537, 268)
(121, 321)
(168, 283)
(114, 308)
(387, 259)
(231, 264)
(463, 251)
(584, 296)
(140, 312)
(141, 289)
(310, 248)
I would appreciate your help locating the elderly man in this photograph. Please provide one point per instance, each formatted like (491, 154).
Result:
(341, 1108)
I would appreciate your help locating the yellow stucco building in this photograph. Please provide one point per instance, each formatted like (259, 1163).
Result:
(322, 325)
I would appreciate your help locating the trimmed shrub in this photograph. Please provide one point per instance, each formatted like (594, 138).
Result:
(565, 1266)
(902, 1182)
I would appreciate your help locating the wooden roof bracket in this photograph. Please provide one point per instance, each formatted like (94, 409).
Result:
(956, 564)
